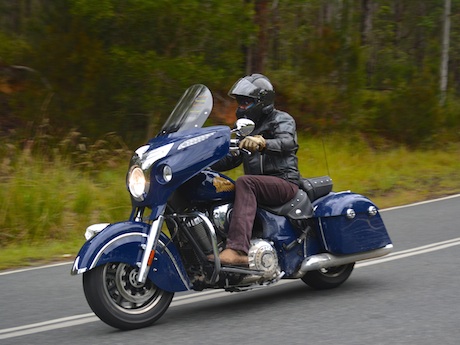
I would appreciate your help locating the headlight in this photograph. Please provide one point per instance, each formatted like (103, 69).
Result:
(167, 173)
(137, 183)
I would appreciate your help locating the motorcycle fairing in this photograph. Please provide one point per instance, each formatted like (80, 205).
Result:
(191, 152)
(343, 233)
(121, 242)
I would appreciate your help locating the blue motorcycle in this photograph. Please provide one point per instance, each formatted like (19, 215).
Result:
(180, 214)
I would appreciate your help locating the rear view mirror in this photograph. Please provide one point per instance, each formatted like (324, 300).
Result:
(244, 127)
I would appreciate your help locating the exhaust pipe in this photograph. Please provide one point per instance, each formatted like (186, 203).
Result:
(326, 260)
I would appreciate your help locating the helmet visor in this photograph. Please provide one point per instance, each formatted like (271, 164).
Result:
(243, 87)
(244, 101)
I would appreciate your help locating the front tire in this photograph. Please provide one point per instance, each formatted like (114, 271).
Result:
(328, 278)
(120, 301)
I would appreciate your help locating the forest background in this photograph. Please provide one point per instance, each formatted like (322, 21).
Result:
(82, 83)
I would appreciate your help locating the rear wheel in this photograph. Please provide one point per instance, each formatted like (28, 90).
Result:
(328, 278)
(115, 296)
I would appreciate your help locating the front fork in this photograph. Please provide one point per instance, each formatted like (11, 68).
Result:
(149, 249)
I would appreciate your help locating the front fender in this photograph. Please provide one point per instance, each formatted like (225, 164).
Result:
(122, 242)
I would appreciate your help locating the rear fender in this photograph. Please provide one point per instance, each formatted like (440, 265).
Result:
(123, 242)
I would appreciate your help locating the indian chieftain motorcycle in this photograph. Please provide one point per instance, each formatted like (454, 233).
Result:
(180, 214)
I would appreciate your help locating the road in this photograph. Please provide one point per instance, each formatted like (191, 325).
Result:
(408, 297)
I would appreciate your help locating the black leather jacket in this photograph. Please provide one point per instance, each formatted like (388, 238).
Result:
(279, 156)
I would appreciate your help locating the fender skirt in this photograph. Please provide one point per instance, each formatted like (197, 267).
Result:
(122, 242)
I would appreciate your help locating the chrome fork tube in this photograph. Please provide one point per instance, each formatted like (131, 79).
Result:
(152, 240)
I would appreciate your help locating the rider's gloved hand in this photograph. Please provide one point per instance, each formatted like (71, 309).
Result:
(253, 143)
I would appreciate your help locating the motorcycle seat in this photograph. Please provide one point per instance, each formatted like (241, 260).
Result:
(297, 208)
(316, 187)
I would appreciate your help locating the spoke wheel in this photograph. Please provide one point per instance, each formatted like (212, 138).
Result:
(115, 296)
(328, 278)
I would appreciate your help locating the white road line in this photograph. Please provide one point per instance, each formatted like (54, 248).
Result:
(421, 203)
(47, 325)
(411, 252)
(207, 295)
(35, 268)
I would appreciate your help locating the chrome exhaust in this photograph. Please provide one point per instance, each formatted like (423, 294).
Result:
(326, 260)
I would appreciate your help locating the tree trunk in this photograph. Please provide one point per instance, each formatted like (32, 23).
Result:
(366, 22)
(260, 50)
(445, 51)
(366, 32)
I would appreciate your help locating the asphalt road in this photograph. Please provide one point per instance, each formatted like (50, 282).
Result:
(408, 297)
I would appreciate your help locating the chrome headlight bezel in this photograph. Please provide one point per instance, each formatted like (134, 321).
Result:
(139, 174)
(138, 182)
(167, 173)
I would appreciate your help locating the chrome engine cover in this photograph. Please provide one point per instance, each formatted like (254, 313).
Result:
(262, 257)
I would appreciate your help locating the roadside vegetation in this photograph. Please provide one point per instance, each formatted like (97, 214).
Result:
(374, 87)
(49, 199)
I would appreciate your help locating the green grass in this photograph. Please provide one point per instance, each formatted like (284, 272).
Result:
(46, 205)
(390, 176)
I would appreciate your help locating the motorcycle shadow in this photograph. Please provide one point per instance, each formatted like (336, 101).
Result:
(292, 294)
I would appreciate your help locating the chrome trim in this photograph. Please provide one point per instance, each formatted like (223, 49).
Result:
(220, 216)
(351, 213)
(152, 240)
(242, 270)
(195, 140)
(155, 155)
(320, 222)
(75, 270)
(326, 260)
(100, 252)
(372, 211)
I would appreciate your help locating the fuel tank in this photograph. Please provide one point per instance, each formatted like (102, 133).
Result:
(209, 186)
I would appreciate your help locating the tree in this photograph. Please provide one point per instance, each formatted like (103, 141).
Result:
(121, 65)
(445, 51)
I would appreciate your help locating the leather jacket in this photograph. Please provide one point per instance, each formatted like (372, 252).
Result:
(279, 156)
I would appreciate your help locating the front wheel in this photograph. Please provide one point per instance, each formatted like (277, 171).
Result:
(328, 278)
(115, 296)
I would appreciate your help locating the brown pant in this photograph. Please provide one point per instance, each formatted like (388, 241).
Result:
(249, 191)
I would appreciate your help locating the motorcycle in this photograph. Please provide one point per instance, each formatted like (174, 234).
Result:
(180, 214)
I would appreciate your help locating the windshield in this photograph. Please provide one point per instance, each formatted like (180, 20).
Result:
(191, 111)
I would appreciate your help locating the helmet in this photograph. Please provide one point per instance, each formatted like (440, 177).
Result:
(255, 96)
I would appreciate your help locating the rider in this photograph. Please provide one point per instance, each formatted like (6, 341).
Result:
(271, 171)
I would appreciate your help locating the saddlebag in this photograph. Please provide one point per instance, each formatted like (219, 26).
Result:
(350, 223)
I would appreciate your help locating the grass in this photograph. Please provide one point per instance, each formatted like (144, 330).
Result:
(390, 176)
(46, 205)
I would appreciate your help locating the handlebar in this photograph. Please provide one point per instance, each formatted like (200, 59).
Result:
(235, 148)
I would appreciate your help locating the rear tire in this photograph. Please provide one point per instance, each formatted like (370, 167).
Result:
(328, 278)
(120, 301)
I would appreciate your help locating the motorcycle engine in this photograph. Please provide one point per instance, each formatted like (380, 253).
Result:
(221, 217)
(262, 257)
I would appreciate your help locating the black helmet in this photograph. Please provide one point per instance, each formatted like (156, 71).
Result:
(255, 96)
